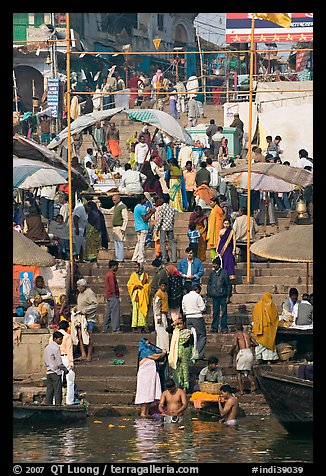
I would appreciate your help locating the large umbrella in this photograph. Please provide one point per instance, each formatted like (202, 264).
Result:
(294, 245)
(29, 149)
(27, 253)
(82, 122)
(269, 177)
(33, 173)
(162, 121)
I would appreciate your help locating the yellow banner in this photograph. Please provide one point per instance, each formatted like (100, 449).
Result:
(281, 19)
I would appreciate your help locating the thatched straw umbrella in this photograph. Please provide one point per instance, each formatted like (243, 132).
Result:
(294, 245)
(27, 253)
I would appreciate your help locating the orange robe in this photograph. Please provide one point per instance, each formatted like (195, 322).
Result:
(265, 323)
(215, 224)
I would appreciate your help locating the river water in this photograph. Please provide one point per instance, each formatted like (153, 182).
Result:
(130, 440)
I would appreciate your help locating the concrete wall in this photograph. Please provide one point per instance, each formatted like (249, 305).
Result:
(56, 277)
(28, 356)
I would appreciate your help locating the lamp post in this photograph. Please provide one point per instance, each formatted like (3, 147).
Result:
(126, 49)
(176, 60)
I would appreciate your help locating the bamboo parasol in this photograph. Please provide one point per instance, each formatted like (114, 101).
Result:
(27, 253)
(294, 245)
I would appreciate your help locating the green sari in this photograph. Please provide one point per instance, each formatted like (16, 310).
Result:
(93, 242)
(181, 373)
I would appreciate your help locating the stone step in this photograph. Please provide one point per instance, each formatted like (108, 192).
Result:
(95, 368)
(131, 339)
(253, 297)
(98, 410)
(256, 269)
(107, 398)
(280, 281)
(241, 289)
(107, 384)
(130, 354)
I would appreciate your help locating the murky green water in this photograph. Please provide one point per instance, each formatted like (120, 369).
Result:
(127, 440)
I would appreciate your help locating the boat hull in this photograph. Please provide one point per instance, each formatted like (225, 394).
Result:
(57, 414)
(290, 398)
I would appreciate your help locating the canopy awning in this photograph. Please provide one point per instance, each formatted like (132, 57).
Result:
(82, 122)
(33, 173)
(268, 177)
(295, 244)
(29, 149)
(162, 121)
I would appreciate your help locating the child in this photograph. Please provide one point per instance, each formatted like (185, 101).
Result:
(161, 309)
(61, 311)
(193, 235)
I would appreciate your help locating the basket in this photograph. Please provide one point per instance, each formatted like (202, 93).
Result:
(210, 387)
(285, 351)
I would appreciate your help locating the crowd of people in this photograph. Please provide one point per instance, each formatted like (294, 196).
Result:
(167, 178)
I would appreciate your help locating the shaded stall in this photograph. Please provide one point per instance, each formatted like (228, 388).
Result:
(29, 149)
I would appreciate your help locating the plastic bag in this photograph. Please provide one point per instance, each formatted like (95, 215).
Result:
(32, 316)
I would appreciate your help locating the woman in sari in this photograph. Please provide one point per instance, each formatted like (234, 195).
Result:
(156, 234)
(138, 289)
(181, 353)
(200, 219)
(264, 328)
(177, 190)
(112, 140)
(175, 291)
(33, 223)
(152, 183)
(149, 386)
(96, 232)
(131, 144)
(226, 248)
(215, 223)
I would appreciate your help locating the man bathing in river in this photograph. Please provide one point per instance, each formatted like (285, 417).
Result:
(175, 400)
(244, 359)
(229, 409)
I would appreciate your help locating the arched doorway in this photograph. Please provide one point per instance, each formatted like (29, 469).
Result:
(24, 77)
(181, 34)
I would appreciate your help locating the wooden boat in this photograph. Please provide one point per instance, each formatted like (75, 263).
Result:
(303, 339)
(290, 398)
(56, 414)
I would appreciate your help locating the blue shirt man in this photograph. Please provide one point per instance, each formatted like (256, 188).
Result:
(139, 222)
(191, 268)
(141, 217)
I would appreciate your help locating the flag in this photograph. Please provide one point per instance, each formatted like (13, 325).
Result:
(281, 19)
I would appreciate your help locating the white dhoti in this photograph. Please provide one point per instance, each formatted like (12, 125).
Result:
(244, 360)
(79, 320)
(148, 383)
(70, 377)
(263, 353)
(162, 337)
(172, 419)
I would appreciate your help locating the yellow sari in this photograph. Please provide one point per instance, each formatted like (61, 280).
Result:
(265, 322)
(139, 298)
(175, 188)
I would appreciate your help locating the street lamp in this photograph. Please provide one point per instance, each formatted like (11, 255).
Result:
(177, 60)
(126, 48)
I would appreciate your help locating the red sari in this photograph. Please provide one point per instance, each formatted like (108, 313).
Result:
(133, 86)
